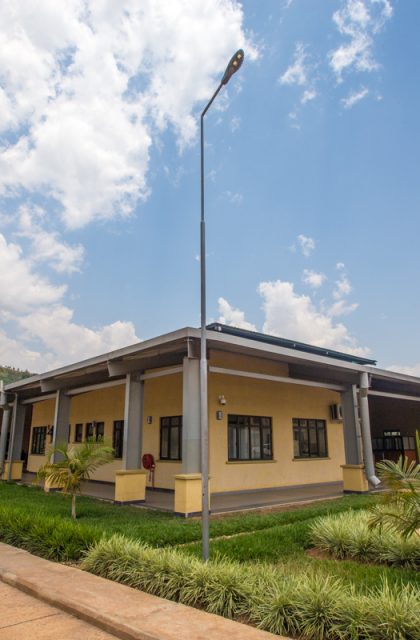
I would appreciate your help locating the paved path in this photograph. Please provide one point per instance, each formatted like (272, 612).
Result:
(23, 617)
(114, 608)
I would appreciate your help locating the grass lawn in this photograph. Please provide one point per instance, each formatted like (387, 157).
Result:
(275, 537)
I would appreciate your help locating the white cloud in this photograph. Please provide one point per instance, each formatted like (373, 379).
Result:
(342, 287)
(359, 21)
(235, 124)
(45, 334)
(233, 317)
(306, 244)
(84, 86)
(234, 198)
(313, 278)
(297, 72)
(354, 97)
(46, 246)
(66, 341)
(291, 315)
(308, 95)
(21, 289)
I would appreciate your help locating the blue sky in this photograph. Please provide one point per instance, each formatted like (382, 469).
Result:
(312, 174)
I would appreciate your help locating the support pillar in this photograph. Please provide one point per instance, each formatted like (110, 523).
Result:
(188, 484)
(191, 416)
(365, 426)
(61, 421)
(5, 426)
(16, 439)
(133, 422)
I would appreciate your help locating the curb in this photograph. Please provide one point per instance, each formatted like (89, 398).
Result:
(114, 608)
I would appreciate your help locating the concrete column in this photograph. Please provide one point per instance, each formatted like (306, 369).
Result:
(5, 425)
(351, 426)
(366, 434)
(61, 421)
(191, 416)
(16, 435)
(133, 422)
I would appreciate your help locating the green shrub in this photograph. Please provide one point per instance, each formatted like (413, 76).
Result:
(348, 535)
(304, 605)
(46, 536)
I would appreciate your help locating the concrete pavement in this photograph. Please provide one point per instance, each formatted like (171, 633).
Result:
(111, 607)
(23, 617)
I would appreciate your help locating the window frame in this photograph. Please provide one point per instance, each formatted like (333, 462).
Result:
(169, 427)
(38, 441)
(93, 427)
(246, 423)
(320, 425)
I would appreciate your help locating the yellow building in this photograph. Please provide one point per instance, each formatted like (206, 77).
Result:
(280, 414)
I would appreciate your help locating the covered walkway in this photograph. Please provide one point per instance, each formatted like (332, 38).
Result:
(222, 502)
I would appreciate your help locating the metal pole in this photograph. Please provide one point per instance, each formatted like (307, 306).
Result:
(204, 419)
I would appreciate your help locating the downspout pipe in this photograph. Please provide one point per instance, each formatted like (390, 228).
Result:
(366, 435)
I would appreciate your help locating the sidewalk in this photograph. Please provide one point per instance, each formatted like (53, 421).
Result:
(116, 609)
(23, 617)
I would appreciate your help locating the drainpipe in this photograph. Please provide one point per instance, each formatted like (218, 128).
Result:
(366, 436)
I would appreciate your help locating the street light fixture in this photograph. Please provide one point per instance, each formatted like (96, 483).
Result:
(233, 66)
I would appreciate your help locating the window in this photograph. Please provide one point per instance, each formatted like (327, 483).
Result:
(95, 431)
(309, 438)
(170, 438)
(249, 438)
(39, 435)
(90, 429)
(78, 432)
(117, 438)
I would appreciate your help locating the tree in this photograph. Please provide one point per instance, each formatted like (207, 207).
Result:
(74, 466)
(400, 508)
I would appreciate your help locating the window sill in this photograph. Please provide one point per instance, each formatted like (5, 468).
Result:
(166, 460)
(312, 459)
(250, 461)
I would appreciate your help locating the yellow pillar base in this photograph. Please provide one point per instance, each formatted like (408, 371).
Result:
(354, 478)
(51, 486)
(17, 468)
(130, 486)
(188, 494)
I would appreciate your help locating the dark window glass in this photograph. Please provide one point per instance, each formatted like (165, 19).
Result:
(309, 438)
(90, 430)
(170, 438)
(39, 435)
(99, 431)
(117, 438)
(249, 438)
(78, 432)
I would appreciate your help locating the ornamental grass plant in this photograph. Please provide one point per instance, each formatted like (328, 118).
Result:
(350, 535)
(301, 605)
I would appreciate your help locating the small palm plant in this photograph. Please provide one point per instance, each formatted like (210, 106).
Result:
(400, 508)
(74, 466)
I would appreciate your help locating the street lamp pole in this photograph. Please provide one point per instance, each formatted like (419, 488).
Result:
(233, 66)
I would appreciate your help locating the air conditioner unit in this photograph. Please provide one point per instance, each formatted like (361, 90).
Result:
(336, 412)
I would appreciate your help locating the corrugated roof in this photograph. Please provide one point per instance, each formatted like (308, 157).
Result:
(289, 344)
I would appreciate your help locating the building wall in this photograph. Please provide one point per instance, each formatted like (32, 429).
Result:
(162, 398)
(101, 405)
(244, 396)
(42, 416)
(281, 402)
